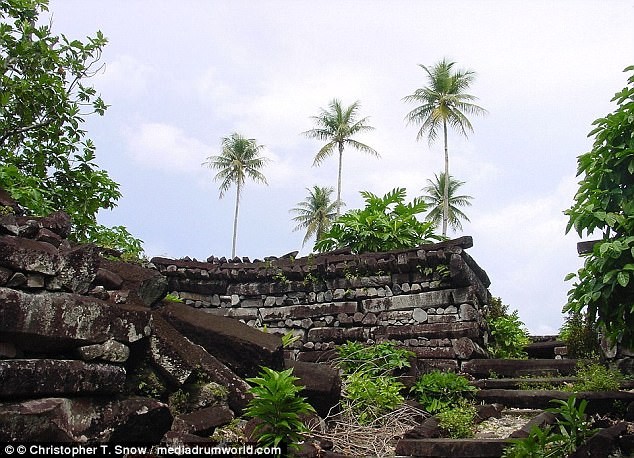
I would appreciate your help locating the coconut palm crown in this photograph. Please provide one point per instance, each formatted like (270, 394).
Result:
(434, 196)
(443, 102)
(336, 126)
(240, 159)
(315, 213)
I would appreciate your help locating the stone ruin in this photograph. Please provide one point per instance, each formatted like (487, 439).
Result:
(90, 351)
(429, 299)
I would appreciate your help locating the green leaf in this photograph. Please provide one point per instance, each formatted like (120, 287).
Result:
(623, 278)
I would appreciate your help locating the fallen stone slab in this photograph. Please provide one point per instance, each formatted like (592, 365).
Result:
(603, 443)
(242, 348)
(126, 420)
(49, 377)
(598, 401)
(146, 286)
(52, 322)
(28, 255)
(178, 359)
(482, 368)
(77, 268)
(111, 350)
(203, 421)
(322, 385)
(455, 448)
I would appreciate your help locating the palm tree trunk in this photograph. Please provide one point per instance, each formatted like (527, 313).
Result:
(235, 221)
(339, 181)
(445, 203)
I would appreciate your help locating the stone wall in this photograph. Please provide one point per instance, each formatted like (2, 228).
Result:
(429, 298)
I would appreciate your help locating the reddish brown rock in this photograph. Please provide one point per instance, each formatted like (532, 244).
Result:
(242, 348)
(178, 358)
(50, 377)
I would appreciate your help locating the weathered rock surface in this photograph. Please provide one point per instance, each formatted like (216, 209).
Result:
(242, 348)
(517, 368)
(203, 421)
(178, 359)
(455, 448)
(61, 321)
(322, 385)
(49, 377)
(84, 419)
(146, 286)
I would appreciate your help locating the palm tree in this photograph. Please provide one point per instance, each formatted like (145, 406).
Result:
(443, 102)
(240, 159)
(315, 213)
(435, 198)
(336, 126)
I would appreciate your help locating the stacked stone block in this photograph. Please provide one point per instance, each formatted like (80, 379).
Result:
(429, 298)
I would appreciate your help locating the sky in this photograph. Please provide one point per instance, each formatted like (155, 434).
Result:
(179, 76)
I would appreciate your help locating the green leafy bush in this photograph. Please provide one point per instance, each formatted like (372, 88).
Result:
(369, 397)
(277, 404)
(596, 377)
(509, 337)
(570, 431)
(580, 336)
(377, 359)
(458, 422)
(386, 223)
(604, 203)
(438, 391)
(369, 387)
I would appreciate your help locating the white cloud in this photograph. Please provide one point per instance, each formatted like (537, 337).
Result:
(165, 147)
(124, 76)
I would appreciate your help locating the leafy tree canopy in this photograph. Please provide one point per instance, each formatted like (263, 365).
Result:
(46, 161)
(386, 223)
(605, 202)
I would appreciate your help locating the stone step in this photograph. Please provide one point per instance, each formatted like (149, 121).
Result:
(514, 368)
(455, 448)
(543, 349)
(515, 383)
(598, 401)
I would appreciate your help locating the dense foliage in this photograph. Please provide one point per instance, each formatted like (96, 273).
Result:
(580, 336)
(277, 404)
(439, 391)
(386, 223)
(605, 202)
(46, 161)
(369, 386)
(508, 337)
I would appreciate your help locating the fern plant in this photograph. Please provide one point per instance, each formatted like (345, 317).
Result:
(276, 402)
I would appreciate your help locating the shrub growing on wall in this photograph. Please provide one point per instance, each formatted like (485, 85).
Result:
(386, 223)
